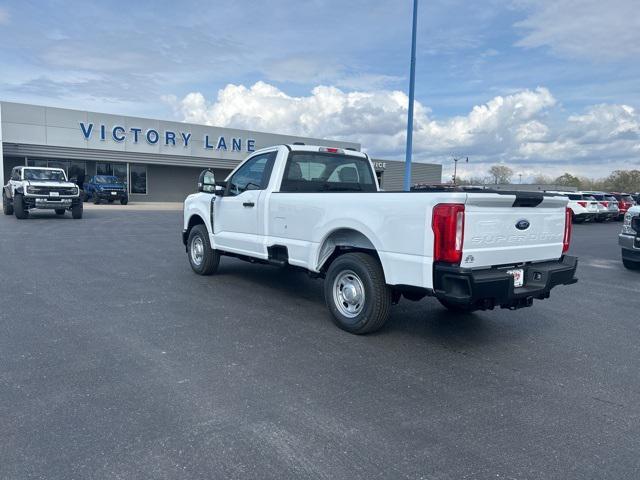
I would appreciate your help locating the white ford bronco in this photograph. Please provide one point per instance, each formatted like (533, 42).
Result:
(320, 209)
(37, 187)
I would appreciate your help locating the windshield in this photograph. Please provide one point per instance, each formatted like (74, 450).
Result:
(106, 179)
(50, 175)
(326, 172)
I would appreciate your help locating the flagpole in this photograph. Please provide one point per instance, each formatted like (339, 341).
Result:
(412, 81)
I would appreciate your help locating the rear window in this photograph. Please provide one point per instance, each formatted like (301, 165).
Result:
(597, 197)
(626, 198)
(574, 197)
(327, 172)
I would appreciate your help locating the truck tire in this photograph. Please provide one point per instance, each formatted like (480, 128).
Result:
(124, 201)
(18, 207)
(7, 207)
(356, 293)
(96, 199)
(630, 264)
(60, 211)
(76, 210)
(203, 259)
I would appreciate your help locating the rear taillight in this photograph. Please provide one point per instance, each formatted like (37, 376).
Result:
(567, 230)
(604, 204)
(448, 232)
(583, 204)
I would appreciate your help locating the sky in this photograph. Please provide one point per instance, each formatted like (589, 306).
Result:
(542, 86)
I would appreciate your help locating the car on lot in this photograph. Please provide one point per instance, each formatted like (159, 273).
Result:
(583, 207)
(32, 188)
(320, 209)
(613, 206)
(625, 202)
(629, 239)
(606, 211)
(106, 188)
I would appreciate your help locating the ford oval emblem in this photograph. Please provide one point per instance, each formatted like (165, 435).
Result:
(522, 224)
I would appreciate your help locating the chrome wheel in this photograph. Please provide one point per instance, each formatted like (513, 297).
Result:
(348, 294)
(197, 251)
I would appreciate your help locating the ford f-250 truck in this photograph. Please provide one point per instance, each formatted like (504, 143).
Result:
(320, 209)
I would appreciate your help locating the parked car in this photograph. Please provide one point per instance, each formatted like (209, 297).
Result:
(606, 211)
(613, 206)
(629, 239)
(583, 208)
(40, 188)
(107, 188)
(625, 202)
(320, 209)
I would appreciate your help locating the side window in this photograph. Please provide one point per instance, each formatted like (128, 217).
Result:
(253, 175)
(15, 174)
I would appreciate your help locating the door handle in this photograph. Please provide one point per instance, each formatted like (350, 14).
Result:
(248, 204)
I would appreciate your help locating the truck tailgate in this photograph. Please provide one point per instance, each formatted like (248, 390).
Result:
(502, 229)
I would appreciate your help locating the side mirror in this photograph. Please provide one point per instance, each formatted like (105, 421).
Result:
(207, 182)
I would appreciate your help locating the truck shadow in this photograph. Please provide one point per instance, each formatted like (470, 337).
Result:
(425, 319)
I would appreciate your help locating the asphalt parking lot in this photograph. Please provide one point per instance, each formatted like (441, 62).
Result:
(116, 361)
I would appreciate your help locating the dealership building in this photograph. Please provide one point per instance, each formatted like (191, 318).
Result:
(158, 160)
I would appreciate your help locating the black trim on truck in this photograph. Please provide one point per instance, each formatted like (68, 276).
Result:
(486, 289)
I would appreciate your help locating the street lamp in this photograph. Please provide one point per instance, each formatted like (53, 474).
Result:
(412, 84)
(455, 167)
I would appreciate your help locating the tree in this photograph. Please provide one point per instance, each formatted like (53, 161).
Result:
(501, 174)
(541, 179)
(568, 180)
(623, 181)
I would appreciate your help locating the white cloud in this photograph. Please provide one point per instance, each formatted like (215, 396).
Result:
(595, 29)
(525, 129)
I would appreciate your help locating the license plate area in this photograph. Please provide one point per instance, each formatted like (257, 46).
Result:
(54, 194)
(518, 276)
(113, 193)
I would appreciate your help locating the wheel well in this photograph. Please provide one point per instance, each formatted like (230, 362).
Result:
(341, 241)
(193, 221)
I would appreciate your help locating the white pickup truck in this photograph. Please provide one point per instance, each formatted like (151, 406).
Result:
(321, 209)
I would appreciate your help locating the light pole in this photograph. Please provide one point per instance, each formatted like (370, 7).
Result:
(412, 85)
(520, 175)
(455, 167)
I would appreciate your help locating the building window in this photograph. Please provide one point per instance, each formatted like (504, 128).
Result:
(36, 162)
(138, 176)
(103, 168)
(77, 172)
(120, 171)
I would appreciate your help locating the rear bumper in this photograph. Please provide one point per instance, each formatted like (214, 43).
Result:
(630, 246)
(486, 289)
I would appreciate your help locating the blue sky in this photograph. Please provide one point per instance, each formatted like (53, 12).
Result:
(543, 86)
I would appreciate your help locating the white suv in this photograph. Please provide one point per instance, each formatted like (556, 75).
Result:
(42, 188)
(583, 207)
